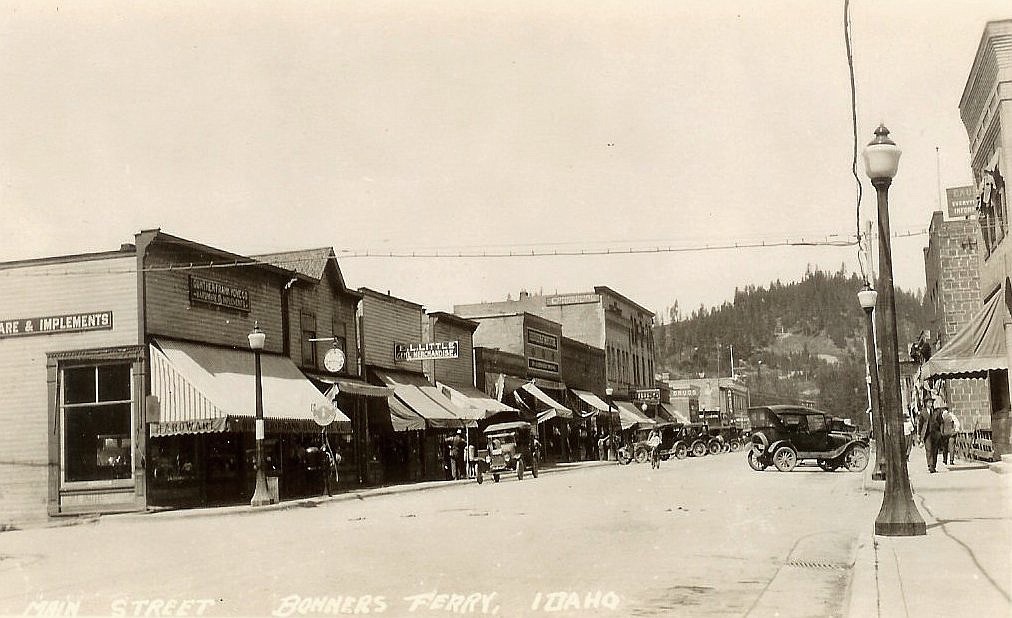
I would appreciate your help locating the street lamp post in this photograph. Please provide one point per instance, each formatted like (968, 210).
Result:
(261, 495)
(898, 515)
(867, 297)
(609, 391)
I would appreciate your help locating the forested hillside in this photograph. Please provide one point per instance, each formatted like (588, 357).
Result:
(790, 342)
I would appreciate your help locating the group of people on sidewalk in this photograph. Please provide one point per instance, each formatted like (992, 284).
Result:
(936, 428)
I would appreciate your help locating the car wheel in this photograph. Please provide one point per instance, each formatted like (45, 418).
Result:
(478, 476)
(755, 460)
(681, 451)
(785, 459)
(735, 445)
(714, 447)
(665, 456)
(623, 457)
(495, 477)
(698, 448)
(856, 458)
(642, 455)
(520, 469)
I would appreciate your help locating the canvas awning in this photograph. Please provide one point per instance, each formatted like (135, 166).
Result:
(591, 400)
(674, 414)
(545, 400)
(978, 347)
(478, 405)
(204, 389)
(630, 416)
(415, 392)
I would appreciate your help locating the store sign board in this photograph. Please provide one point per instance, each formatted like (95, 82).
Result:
(962, 201)
(543, 339)
(56, 324)
(685, 393)
(572, 299)
(426, 351)
(542, 365)
(215, 293)
(647, 395)
(333, 360)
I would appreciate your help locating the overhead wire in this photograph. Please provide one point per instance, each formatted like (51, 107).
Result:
(853, 118)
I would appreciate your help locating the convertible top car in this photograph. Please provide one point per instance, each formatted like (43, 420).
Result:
(784, 435)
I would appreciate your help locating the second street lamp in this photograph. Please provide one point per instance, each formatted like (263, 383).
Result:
(867, 298)
(261, 495)
(898, 515)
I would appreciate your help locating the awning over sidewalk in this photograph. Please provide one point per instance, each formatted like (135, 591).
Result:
(591, 400)
(415, 392)
(674, 414)
(479, 406)
(204, 389)
(977, 347)
(630, 416)
(540, 399)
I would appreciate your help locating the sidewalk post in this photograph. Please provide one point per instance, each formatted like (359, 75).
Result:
(898, 515)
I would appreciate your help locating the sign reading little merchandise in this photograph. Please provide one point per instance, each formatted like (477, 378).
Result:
(426, 351)
(72, 323)
(218, 294)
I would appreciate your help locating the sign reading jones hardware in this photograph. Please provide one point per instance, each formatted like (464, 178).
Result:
(218, 294)
(75, 322)
(426, 351)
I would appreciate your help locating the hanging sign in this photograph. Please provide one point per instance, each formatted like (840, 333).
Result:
(961, 201)
(333, 360)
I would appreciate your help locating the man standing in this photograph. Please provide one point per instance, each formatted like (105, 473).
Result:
(456, 455)
(932, 433)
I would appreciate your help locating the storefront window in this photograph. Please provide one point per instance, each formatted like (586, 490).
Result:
(97, 408)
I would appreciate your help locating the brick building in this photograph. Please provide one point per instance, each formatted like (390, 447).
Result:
(952, 289)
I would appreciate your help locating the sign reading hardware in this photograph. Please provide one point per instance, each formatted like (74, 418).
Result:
(426, 351)
(218, 294)
(572, 299)
(71, 323)
(543, 339)
(541, 365)
(649, 395)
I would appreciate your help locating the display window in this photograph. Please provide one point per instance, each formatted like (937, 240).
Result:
(97, 414)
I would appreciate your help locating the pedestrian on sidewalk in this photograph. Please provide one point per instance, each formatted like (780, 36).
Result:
(933, 433)
(908, 436)
(456, 446)
(949, 430)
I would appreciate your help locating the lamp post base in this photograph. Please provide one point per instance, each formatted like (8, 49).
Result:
(899, 519)
(261, 495)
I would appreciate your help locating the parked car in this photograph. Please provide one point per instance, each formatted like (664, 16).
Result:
(695, 439)
(510, 447)
(731, 435)
(639, 450)
(784, 435)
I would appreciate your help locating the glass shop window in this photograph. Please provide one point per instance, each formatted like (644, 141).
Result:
(97, 406)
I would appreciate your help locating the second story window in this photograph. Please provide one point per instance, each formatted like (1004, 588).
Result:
(992, 212)
(308, 347)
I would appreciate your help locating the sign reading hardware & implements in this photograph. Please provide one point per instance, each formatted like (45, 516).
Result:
(71, 323)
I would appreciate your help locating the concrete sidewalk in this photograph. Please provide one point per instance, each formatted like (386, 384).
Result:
(962, 566)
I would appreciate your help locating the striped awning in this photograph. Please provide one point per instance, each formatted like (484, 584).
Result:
(204, 389)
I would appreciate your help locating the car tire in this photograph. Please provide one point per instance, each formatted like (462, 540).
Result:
(699, 448)
(735, 445)
(755, 460)
(681, 451)
(714, 447)
(785, 458)
(495, 477)
(478, 476)
(856, 458)
(642, 455)
(520, 469)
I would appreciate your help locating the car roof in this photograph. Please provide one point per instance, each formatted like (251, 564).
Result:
(780, 408)
(507, 426)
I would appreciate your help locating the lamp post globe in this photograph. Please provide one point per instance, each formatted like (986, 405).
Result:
(261, 495)
(868, 297)
(898, 515)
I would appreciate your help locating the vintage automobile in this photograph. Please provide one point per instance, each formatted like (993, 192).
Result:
(732, 436)
(695, 439)
(510, 447)
(639, 450)
(784, 435)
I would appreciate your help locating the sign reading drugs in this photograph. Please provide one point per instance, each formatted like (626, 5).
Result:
(50, 325)
(962, 201)
(426, 351)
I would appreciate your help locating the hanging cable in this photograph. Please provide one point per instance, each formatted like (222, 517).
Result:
(853, 118)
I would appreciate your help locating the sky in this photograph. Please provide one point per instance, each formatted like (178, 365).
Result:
(400, 127)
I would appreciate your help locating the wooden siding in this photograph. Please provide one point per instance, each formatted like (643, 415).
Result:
(384, 323)
(332, 309)
(170, 313)
(458, 370)
(42, 290)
